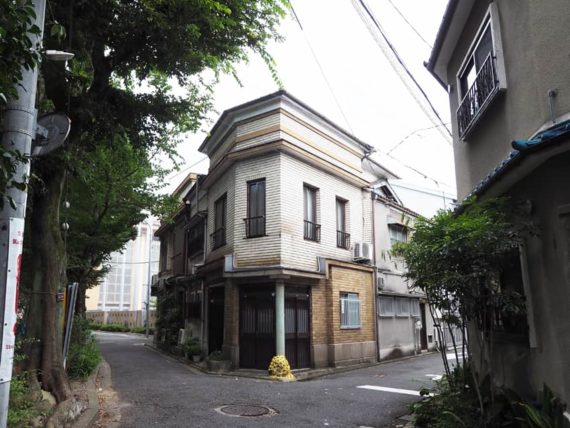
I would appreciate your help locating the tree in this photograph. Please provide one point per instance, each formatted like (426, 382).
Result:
(101, 220)
(462, 261)
(117, 45)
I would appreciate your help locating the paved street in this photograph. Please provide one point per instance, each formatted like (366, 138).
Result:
(157, 391)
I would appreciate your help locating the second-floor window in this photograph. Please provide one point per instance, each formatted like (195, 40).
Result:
(255, 221)
(398, 233)
(196, 239)
(312, 230)
(220, 213)
(342, 237)
(481, 75)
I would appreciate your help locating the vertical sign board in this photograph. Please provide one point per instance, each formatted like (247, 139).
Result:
(15, 244)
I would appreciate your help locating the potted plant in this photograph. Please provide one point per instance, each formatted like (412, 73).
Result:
(192, 349)
(217, 362)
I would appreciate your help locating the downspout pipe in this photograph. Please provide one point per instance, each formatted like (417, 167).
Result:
(375, 276)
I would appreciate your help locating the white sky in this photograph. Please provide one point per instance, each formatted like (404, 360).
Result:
(378, 108)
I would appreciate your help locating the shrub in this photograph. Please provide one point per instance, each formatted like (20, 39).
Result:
(192, 347)
(83, 359)
(84, 354)
(22, 407)
(216, 356)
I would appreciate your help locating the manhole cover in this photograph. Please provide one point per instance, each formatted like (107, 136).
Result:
(246, 410)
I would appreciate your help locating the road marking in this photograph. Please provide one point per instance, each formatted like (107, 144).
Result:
(394, 390)
(435, 376)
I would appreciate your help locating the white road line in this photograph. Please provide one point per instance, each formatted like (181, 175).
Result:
(394, 390)
(435, 376)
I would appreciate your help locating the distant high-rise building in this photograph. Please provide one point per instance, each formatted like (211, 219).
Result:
(125, 285)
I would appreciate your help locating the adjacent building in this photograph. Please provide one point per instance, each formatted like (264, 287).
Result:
(505, 66)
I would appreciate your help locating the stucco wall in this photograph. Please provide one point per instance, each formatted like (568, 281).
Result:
(535, 48)
(549, 258)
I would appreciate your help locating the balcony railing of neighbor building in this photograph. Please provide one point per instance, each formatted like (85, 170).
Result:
(342, 239)
(254, 226)
(218, 238)
(312, 231)
(484, 88)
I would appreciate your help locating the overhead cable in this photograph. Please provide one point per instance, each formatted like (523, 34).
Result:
(320, 66)
(410, 25)
(398, 65)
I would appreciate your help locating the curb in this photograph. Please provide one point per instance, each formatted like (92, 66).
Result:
(90, 415)
(301, 377)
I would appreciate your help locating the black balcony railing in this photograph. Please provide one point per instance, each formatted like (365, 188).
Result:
(478, 96)
(312, 231)
(342, 239)
(254, 226)
(218, 238)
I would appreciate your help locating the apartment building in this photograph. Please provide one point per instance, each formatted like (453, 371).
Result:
(505, 66)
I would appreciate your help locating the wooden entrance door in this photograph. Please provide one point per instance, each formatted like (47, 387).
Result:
(257, 328)
(215, 318)
(297, 330)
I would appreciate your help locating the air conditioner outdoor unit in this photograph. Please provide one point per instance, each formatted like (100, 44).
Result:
(362, 251)
(380, 281)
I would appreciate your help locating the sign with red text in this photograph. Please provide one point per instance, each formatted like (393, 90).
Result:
(15, 244)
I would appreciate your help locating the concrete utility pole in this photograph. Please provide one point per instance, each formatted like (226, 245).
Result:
(18, 132)
(149, 276)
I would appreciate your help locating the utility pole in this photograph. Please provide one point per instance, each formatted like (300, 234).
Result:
(149, 276)
(18, 132)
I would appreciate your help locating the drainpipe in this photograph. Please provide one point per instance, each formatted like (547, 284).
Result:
(375, 281)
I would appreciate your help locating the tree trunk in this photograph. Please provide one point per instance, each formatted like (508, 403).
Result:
(47, 266)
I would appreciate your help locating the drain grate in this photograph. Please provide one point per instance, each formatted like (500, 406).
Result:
(248, 411)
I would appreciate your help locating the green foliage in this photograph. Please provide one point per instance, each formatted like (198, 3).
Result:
(216, 356)
(457, 260)
(82, 360)
(23, 408)
(192, 347)
(168, 319)
(548, 413)
(84, 354)
(120, 328)
(452, 404)
(16, 48)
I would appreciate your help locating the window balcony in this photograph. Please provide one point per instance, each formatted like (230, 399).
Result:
(342, 239)
(254, 226)
(218, 238)
(312, 231)
(478, 97)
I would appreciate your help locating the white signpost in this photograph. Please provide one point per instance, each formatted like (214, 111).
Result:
(15, 242)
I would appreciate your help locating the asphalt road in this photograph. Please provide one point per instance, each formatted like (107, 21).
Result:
(156, 391)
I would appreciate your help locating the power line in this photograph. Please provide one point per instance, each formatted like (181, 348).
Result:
(399, 143)
(410, 25)
(397, 64)
(417, 171)
(132, 263)
(320, 67)
(177, 173)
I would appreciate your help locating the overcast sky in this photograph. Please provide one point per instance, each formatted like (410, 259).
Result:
(366, 96)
